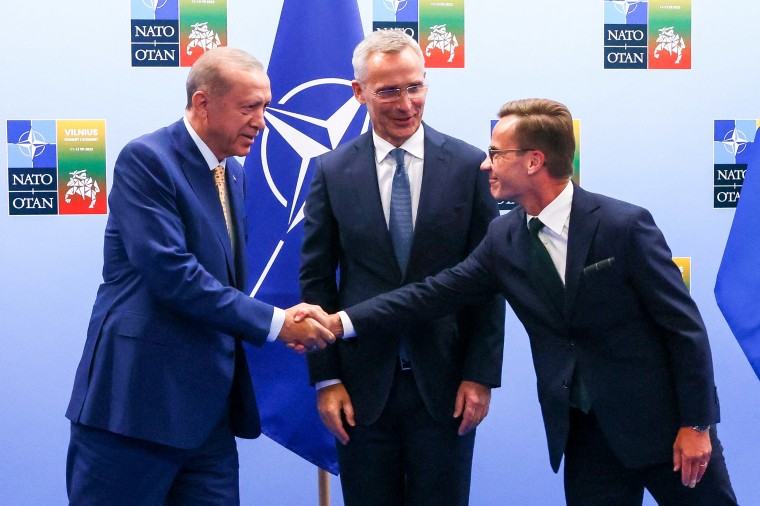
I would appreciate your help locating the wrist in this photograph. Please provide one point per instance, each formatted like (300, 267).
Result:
(700, 428)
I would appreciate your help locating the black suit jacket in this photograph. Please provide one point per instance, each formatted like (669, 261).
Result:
(345, 230)
(632, 325)
(163, 357)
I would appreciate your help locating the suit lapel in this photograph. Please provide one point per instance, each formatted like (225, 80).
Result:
(365, 195)
(202, 182)
(584, 220)
(435, 177)
(236, 189)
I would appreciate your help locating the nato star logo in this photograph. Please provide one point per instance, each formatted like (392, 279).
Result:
(154, 5)
(395, 5)
(31, 144)
(300, 127)
(626, 7)
(735, 141)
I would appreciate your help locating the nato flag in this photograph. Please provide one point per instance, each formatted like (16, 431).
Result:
(737, 287)
(312, 112)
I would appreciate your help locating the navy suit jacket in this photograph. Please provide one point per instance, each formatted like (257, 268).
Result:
(632, 325)
(163, 357)
(345, 230)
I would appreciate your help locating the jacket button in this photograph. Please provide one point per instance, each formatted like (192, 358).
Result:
(564, 384)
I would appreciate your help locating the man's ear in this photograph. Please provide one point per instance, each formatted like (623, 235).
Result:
(536, 160)
(358, 92)
(200, 102)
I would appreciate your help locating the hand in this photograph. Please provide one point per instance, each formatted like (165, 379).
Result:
(691, 454)
(306, 333)
(332, 322)
(471, 404)
(332, 402)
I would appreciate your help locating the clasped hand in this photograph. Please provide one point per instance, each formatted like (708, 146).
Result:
(306, 328)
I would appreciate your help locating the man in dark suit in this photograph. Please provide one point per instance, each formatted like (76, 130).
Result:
(163, 384)
(395, 205)
(622, 360)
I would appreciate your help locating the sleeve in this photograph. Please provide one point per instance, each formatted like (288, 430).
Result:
(470, 282)
(151, 226)
(320, 252)
(663, 293)
(483, 324)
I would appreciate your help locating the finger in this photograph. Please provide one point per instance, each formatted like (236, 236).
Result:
(469, 420)
(676, 460)
(689, 473)
(701, 471)
(297, 348)
(459, 405)
(322, 335)
(348, 412)
(331, 418)
(336, 427)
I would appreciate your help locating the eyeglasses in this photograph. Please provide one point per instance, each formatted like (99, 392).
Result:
(393, 94)
(493, 152)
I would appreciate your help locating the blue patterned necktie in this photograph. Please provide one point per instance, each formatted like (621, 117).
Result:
(401, 229)
(400, 222)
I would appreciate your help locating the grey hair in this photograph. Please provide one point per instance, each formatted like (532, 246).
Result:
(382, 41)
(208, 71)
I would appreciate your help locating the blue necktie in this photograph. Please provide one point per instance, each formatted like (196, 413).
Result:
(400, 222)
(401, 229)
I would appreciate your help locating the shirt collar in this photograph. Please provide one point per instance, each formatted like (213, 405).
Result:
(208, 155)
(414, 145)
(555, 215)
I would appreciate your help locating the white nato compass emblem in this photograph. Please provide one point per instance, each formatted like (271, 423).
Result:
(31, 143)
(735, 141)
(154, 5)
(395, 5)
(290, 124)
(626, 6)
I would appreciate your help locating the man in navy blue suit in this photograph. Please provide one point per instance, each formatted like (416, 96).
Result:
(622, 359)
(389, 208)
(163, 386)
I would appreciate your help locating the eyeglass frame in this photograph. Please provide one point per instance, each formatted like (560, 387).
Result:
(492, 152)
(395, 93)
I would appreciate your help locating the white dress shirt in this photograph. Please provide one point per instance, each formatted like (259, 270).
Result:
(556, 220)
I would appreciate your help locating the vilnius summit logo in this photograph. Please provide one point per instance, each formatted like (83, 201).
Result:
(56, 167)
(174, 33)
(647, 34)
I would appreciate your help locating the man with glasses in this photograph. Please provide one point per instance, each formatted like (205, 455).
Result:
(622, 360)
(395, 205)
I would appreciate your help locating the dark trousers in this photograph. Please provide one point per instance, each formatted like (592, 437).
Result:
(106, 468)
(595, 476)
(406, 458)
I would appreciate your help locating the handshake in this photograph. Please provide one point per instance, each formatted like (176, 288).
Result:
(308, 328)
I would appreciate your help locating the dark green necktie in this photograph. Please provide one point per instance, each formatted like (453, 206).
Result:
(543, 269)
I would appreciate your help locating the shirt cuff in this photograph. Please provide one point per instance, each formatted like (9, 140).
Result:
(326, 383)
(348, 327)
(278, 320)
